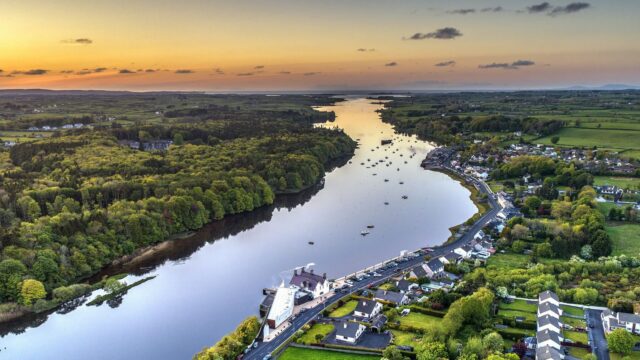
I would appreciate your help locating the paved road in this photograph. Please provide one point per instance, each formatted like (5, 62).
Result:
(596, 334)
(266, 348)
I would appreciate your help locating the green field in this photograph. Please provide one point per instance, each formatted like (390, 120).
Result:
(420, 321)
(572, 310)
(578, 352)
(625, 238)
(573, 322)
(602, 138)
(634, 355)
(293, 353)
(309, 337)
(345, 309)
(509, 314)
(622, 182)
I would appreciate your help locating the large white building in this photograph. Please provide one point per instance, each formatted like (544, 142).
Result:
(282, 307)
(314, 284)
(612, 320)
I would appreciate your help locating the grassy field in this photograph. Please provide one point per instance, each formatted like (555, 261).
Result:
(625, 238)
(420, 321)
(623, 182)
(515, 313)
(312, 354)
(602, 138)
(345, 309)
(572, 310)
(573, 322)
(634, 355)
(309, 337)
(405, 338)
(519, 305)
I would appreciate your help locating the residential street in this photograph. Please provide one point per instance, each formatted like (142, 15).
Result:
(596, 334)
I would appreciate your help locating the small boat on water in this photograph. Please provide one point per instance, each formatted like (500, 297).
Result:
(401, 182)
(405, 197)
(386, 180)
(386, 203)
(311, 243)
(364, 232)
(370, 226)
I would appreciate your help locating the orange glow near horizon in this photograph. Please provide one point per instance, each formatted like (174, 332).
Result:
(298, 45)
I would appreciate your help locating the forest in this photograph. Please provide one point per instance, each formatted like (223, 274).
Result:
(73, 202)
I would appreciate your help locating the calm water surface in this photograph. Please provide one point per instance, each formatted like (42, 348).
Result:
(205, 285)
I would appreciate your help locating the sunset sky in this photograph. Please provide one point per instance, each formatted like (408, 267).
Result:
(317, 45)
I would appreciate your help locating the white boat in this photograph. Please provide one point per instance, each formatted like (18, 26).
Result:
(364, 232)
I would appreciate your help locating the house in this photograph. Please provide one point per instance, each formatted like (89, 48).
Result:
(349, 331)
(315, 284)
(390, 297)
(405, 286)
(548, 353)
(367, 309)
(451, 258)
(464, 251)
(618, 320)
(549, 323)
(548, 296)
(549, 338)
(282, 306)
(549, 309)
(377, 323)
(418, 272)
(434, 268)
(429, 287)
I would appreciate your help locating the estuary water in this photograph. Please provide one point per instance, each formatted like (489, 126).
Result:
(206, 284)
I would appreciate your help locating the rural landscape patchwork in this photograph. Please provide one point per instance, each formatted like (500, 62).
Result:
(306, 180)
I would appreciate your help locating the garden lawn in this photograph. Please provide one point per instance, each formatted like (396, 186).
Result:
(293, 353)
(345, 309)
(420, 321)
(519, 305)
(573, 322)
(602, 138)
(634, 355)
(309, 337)
(625, 239)
(572, 310)
(575, 336)
(515, 261)
(515, 313)
(579, 353)
(405, 338)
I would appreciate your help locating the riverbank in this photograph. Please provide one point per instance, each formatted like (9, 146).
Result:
(476, 197)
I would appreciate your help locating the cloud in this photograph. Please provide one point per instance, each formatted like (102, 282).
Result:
(91, 71)
(150, 70)
(445, 63)
(126, 71)
(508, 66)
(30, 72)
(446, 33)
(218, 71)
(312, 73)
(569, 9)
(285, 73)
(492, 9)
(79, 41)
(393, 63)
(184, 71)
(365, 50)
(523, 63)
(258, 67)
(539, 8)
(245, 74)
(461, 11)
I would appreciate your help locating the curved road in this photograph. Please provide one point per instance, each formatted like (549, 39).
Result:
(266, 348)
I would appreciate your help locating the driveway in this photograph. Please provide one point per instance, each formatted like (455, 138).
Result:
(596, 334)
(368, 339)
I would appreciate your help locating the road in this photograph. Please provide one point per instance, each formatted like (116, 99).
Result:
(596, 334)
(265, 348)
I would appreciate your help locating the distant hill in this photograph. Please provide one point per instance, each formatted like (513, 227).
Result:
(605, 87)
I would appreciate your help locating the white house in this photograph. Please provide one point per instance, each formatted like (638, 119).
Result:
(434, 268)
(548, 353)
(618, 320)
(406, 286)
(464, 251)
(392, 297)
(315, 284)
(549, 338)
(549, 309)
(282, 306)
(451, 258)
(367, 309)
(548, 296)
(349, 331)
(549, 323)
